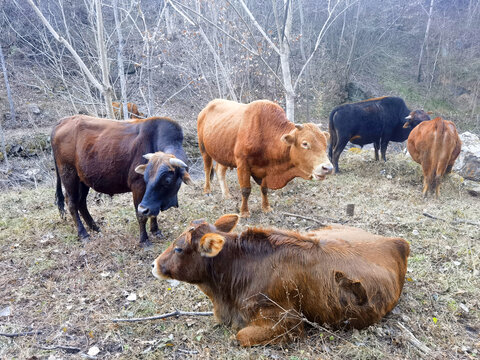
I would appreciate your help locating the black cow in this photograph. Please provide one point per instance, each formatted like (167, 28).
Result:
(144, 157)
(376, 121)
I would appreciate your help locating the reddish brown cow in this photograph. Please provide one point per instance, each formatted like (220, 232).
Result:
(262, 281)
(260, 141)
(435, 145)
(131, 108)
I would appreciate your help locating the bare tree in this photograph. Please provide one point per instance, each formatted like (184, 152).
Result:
(105, 89)
(425, 39)
(123, 83)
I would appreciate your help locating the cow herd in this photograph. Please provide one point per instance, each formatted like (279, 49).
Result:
(263, 282)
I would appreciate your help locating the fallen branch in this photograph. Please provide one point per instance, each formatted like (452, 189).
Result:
(305, 217)
(24, 333)
(456, 221)
(176, 313)
(68, 349)
(424, 350)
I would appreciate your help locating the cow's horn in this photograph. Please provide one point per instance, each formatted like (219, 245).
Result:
(299, 126)
(148, 156)
(409, 117)
(177, 162)
(319, 126)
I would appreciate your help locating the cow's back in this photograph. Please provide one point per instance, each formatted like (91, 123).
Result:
(217, 128)
(363, 275)
(435, 144)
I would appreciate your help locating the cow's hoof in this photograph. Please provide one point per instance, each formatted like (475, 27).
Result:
(158, 233)
(207, 194)
(245, 214)
(95, 227)
(84, 239)
(146, 245)
(267, 209)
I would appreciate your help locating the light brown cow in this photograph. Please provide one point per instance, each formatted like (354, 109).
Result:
(435, 145)
(131, 108)
(259, 141)
(263, 281)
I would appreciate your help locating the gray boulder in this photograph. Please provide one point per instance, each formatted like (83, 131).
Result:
(468, 162)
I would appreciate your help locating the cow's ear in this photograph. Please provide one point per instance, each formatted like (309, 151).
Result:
(327, 135)
(211, 244)
(140, 169)
(289, 138)
(227, 223)
(406, 125)
(187, 179)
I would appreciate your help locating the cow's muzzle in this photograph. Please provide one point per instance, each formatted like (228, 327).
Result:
(143, 211)
(322, 171)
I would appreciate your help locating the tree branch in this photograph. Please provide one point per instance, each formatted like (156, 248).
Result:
(24, 333)
(68, 46)
(175, 313)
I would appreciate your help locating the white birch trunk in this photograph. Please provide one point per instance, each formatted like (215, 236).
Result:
(121, 73)
(102, 54)
(425, 39)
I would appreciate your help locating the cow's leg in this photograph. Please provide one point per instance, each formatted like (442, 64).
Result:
(221, 171)
(376, 146)
(337, 150)
(265, 204)
(207, 167)
(142, 220)
(269, 331)
(83, 192)
(154, 229)
(383, 149)
(72, 188)
(243, 173)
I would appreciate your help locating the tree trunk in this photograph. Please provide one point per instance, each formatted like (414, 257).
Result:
(102, 54)
(425, 39)
(7, 85)
(121, 72)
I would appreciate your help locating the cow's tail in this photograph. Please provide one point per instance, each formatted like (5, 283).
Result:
(333, 135)
(59, 197)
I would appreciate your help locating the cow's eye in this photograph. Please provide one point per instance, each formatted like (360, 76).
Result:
(168, 179)
(305, 145)
(178, 250)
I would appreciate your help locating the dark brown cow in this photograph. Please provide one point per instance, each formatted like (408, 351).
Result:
(435, 145)
(144, 157)
(262, 281)
(131, 108)
(259, 141)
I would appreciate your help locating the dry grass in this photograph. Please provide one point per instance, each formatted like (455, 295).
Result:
(70, 291)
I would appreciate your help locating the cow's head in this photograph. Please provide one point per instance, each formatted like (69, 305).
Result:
(415, 118)
(308, 151)
(185, 259)
(163, 175)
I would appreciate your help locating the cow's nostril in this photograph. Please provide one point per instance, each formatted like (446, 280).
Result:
(153, 265)
(142, 210)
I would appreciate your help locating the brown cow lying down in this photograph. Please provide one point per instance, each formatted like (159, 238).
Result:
(259, 141)
(262, 281)
(132, 108)
(435, 145)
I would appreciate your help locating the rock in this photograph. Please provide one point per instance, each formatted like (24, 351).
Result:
(472, 187)
(471, 168)
(33, 108)
(468, 162)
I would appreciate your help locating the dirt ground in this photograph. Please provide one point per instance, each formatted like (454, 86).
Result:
(69, 292)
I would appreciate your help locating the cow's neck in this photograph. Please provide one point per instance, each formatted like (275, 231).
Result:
(279, 174)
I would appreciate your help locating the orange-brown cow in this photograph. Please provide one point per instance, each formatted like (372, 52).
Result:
(132, 109)
(260, 141)
(262, 281)
(435, 145)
